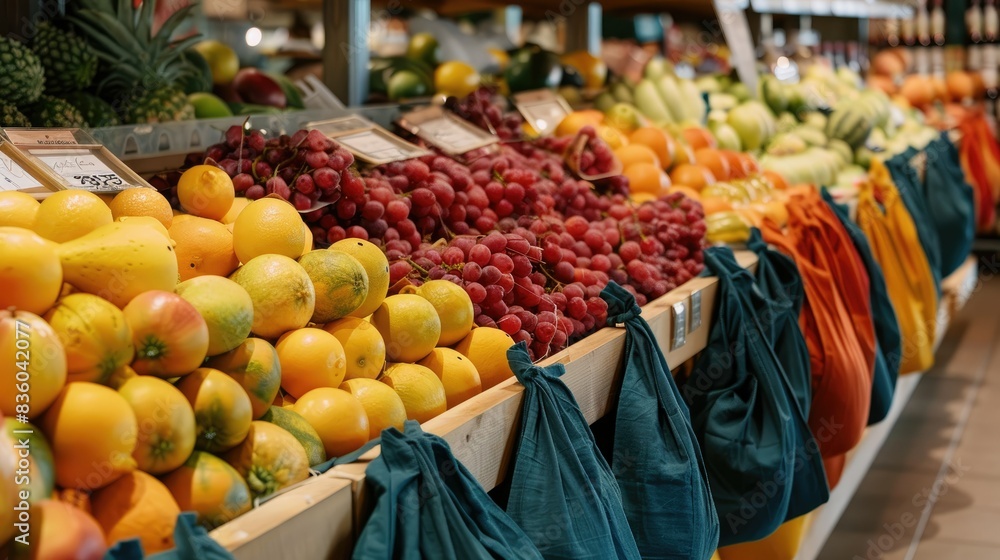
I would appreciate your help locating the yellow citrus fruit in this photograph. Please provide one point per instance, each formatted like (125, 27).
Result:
(457, 373)
(341, 283)
(268, 225)
(363, 346)
(282, 293)
(646, 178)
(46, 369)
(310, 358)
(487, 348)
(382, 405)
(206, 191)
(420, 389)
(17, 209)
(226, 308)
(337, 416)
(308, 244)
(66, 215)
(376, 266)
(453, 306)
(409, 325)
(656, 139)
(147, 221)
(203, 247)
(142, 202)
(637, 153)
(30, 271)
(239, 204)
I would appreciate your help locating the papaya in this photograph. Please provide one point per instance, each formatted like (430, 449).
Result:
(254, 365)
(269, 459)
(300, 429)
(41, 476)
(32, 363)
(137, 505)
(210, 487)
(95, 335)
(119, 261)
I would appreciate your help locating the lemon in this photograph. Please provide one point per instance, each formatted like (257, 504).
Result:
(308, 244)
(410, 326)
(487, 348)
(268, 226)
(203, 247)
(457, 373)
(17, 209)
(282, 294)
(362, 344)
(206, 191)
(148, 222)
(67, 215)
(453, 306)
(238, 206)
(384, 407)
(376, 266)
(421, 391)
(142, 202)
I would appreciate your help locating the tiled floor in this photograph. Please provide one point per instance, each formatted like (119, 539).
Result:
(946, 442)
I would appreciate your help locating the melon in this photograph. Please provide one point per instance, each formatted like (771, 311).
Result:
(282, 293)
(340, 280)
(850, 122)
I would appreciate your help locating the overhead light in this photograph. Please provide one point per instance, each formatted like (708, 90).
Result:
(254, 36)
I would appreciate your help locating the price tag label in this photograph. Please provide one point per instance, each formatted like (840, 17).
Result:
(46, 137)
(679, 313)
(448, 132)
(81, 169)
(368, 141)
(13, 177)
(695, 321)
(543, 109)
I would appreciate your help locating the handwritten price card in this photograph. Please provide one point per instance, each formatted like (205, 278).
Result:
(81, 169)
(13, 177)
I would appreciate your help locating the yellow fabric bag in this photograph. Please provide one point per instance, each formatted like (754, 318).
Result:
(893, 237)
(782, 544)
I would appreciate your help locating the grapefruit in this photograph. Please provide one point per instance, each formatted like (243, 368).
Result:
(69, 214)
(410, 326)
(296, 425)
(211, 488)
(63, 531)
(453, 306)
(269, 459)
(282, 293)
(166, 423)
(34, 363)
(340, 281)
(421, 391)
(137, 505)
(383, 406)
(376, 266)
(30, 271)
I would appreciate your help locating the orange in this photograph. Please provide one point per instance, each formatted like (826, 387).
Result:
(421, 391)
(222, 409)
(92, 431)
(137, 505)
(31, 273)
(612, 136)
(17, 209)
(239, 204)
(714, 204)
(751, 215)
(310, 358)
(683, 154)
(142, 202)
(166, 423)
(918, 91)
(657, 140)
(694, 176)
(67, 215)
(410, 326)
(338, 417)
(382, 405)
(268, 225)
(960, 85)
(637, 153)
(203, 247)
(646, 178)
(776, 179)
(740, 166)
(42, 376)
(576, 120)
(698, 137)
(206, 191)
(685, 190)
(750, 163)
(715, 161)
(363, 347)
(487, 348)
(457, 373)
(776, 211)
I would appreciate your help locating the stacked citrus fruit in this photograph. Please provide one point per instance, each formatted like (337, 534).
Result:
(194, 361)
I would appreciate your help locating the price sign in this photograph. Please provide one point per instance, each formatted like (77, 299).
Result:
(368, 141)
(543, 109)
(81, 169)
(679, 313)
(41, 137)
(732, 19)
(695, 321)
(13, 177)
(448, 132)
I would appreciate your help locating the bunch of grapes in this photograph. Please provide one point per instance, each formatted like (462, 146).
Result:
(481, 109)
(596, 157)
(303, 168)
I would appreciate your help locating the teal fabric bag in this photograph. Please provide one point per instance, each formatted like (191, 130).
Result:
(191, 542)
(428, 506)
(655, 455)
(888, 339)
(950, 203)
(908, 184)
(562, 491)
(742, 412)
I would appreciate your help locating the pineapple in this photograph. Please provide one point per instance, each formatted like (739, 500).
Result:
(95, 110)
(143, 70)
(21, 74)
(53, 112)
(69, 62)
(10, 116)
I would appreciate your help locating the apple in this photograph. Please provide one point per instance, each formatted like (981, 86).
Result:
(254, 87)
(170, 336)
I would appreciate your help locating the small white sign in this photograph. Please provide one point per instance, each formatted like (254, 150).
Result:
(13, 177)
(679, 313)
(695, 321)
(81, 169)
(543, 109)
(448, 132)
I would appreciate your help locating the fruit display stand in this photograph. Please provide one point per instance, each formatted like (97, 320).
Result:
(316, 518)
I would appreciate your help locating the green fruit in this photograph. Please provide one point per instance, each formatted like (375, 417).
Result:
(199, 80)
(423, 47)
(407, 84)
(21, 74)
(11, 116)
(533, 68)
(222, 60)
(292, 95)
(209, 106)
(296, 425)
(97, 112)
(69, 62)
(622, 116)
(51, 112)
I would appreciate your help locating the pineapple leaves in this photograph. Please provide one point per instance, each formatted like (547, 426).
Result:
(143, 27)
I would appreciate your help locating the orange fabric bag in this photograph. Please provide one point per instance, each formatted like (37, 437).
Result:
(896, 246)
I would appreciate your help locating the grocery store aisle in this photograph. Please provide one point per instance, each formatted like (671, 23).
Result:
(945, 443)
